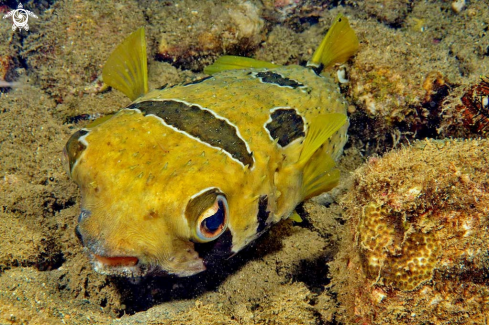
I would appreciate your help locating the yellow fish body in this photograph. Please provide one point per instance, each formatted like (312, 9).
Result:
(211, 164)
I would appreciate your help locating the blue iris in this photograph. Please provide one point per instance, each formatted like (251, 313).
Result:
(215, 221)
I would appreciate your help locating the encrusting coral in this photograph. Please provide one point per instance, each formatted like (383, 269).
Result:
(415, 249)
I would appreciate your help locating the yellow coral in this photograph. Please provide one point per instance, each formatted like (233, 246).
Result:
(394, 252)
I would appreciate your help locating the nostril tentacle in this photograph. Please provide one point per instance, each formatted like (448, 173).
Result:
(83, 215)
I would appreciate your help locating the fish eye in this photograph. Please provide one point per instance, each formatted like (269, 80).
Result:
(208, 215)
(213, 221)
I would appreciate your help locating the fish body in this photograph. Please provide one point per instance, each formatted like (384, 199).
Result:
(210, 164)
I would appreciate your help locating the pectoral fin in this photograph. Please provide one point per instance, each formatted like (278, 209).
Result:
(319, 173)
(320, 130)
(295, 217)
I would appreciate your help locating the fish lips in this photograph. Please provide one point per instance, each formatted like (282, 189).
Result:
(132, 266)
(120, 264)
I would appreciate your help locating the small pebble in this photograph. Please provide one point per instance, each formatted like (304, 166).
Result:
(458, 6)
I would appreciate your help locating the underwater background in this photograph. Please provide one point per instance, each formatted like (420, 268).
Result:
(402, 239)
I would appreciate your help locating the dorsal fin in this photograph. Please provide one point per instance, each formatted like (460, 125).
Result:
(231, 62)
(126, 68)
(339, 44)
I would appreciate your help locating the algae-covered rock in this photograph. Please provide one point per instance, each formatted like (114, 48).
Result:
(415, 251)
(191, 33)
(409, 65)
(73, 39)
(9, 48)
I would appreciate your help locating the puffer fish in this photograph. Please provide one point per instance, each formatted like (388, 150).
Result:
(191, 172)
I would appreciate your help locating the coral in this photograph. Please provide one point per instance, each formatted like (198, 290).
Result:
(417, 235)
(402, 259)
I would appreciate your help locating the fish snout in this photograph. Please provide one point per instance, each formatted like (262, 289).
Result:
(102, 259)
(120, 252)
(108, 261)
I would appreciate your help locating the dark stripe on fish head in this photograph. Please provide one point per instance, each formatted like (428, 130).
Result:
(213, 252)
(285, 125)
(201, 124)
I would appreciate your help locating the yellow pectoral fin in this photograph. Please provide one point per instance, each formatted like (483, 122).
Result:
(231, 62)
(295, 217)
(320, 130)
(126, 69)
(339, 44)
(319, 173)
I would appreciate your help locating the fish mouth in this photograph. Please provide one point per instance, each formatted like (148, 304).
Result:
(125, 266)
(117, 262)
(124, 261)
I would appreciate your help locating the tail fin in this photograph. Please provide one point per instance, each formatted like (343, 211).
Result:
(126, 69)
(339, 44)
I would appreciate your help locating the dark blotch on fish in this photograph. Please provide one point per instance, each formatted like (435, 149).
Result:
(286, 126)
(262, 216)
(275, 78)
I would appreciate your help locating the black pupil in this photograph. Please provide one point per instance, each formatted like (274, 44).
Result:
(216, 220)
